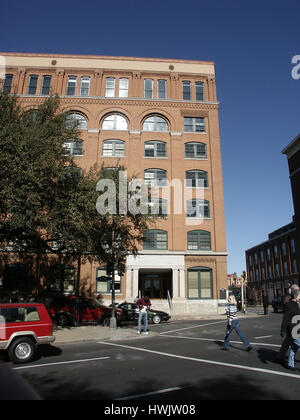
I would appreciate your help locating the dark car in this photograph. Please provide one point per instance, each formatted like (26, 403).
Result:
(90, 311)
(130, 312)
(279, 302)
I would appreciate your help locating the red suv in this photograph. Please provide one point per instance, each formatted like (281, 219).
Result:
(22, 327)
(90, 311)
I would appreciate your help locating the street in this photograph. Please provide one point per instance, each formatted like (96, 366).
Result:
(183, 361)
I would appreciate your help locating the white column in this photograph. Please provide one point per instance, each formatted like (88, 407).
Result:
(175, 283)
(128, 285)
(182, 283)
(135, 282)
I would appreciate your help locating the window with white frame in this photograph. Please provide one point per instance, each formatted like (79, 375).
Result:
(194, 125)
(76, 120)
(123, 87)
(161, 89)
(186, 90)
(73, 147)
(114, 122)
(85, 86)
(155, 149)
(103, 281)
(71, 85)
(148, 89)
(110, 87)
(195, 150)
(155, 123)
(113, 148)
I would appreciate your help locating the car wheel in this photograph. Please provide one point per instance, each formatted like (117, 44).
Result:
(62, 320)
(22, 350)
(156, 319)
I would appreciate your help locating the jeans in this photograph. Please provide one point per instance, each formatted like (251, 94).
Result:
(295, 345)
(235, 326)
(143, 316)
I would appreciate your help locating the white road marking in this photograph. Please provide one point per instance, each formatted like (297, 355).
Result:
(221, 340)
(162, 391)
(211, 362)
(61, 363)
(190, 328)
(264, 336)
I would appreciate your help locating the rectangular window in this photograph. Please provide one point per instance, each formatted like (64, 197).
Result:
(103, 281)
(148, 89)
(186, 90)
(199, 91)
(162, 89)
(200, 283)
(7, 83)
(110, 87)
(123, 87)
(71, 86)
(46, 84)
(85, 86)
(32, 84)
(293, 248)
(194, 125)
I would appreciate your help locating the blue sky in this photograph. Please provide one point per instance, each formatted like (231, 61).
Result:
(252, 44)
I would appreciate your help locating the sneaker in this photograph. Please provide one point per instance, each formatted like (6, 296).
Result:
(139, 332)
(292, 368)
(249, 349)
(224, 349)
(146, 333)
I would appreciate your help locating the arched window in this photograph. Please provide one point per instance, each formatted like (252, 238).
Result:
(113, 148)
(156, 239)
(155, 177)
(73, 147)
(114, 122)
(198, 208)
(155, 149)
(155, 123)
(75, 119)
(199, 240)
(200, 283)
(195, 150)
(196, 179)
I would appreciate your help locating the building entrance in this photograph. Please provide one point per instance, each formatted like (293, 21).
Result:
(155, 283)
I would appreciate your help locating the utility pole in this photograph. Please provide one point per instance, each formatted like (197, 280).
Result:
(243, 276)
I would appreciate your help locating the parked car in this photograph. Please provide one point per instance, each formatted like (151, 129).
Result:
(279, 302)
(22, 328)
(130, 312)
(90, 311)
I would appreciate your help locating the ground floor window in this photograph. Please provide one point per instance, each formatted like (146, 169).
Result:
(103, 281)
(62, 278)
(200, 283)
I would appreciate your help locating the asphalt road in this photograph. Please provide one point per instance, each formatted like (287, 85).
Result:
(184, 362)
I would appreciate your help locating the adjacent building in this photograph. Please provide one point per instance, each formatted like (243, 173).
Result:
(273, 266)
(159, 119)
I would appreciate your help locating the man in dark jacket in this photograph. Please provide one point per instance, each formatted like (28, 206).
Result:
(290, 309)
(144, 305)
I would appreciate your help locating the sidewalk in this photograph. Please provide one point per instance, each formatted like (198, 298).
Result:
(100, 333)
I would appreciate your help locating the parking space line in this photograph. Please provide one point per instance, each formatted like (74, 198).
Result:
(204, 361)
(195, 326)
(60, 363)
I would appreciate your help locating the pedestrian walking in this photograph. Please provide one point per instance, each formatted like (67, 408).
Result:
(234, 324)
(292, 309)
(287, 342)
(265, 300)
(144, 305)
